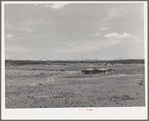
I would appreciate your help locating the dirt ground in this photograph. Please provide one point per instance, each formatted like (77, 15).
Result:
(26, 88)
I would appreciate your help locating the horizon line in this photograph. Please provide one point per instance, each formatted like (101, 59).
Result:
(74, 60)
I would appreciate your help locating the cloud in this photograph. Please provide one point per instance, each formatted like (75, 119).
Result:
(13, 28)
(30, 30)
(95, 35)
(43, 36)
(82, 22)
(112, 35)
(125, 35)
(31, 22)
(134, 37)
(104, 28)
(88, 46)
(12, 49)
(70, 45)
(118, 36)
(9, 35)
(8, 56)
(56, 5)
(23, 26)
(48, 5)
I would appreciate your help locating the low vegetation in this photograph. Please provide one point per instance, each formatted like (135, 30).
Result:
(41, 88)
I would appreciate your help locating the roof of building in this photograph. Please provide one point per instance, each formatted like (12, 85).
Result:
(102, 69)
(90, 69)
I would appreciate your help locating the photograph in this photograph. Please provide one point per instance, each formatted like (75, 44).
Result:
(74, 55)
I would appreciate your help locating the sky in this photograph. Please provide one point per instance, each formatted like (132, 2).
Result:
(74, 31)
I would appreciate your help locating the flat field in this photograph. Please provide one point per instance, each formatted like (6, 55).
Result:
(41, 88)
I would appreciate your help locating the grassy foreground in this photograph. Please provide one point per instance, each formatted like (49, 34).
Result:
(50, 89)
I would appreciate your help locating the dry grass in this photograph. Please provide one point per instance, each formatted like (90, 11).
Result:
(31, 89)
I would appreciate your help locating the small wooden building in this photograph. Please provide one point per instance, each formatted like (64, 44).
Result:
(96, 71)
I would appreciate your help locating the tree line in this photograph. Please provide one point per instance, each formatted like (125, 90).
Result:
(40, 62)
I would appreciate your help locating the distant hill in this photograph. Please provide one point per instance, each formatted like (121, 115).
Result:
(28, 62)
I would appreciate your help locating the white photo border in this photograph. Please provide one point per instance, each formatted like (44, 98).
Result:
(74, 113)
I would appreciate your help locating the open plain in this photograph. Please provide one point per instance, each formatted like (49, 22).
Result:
(37, 86)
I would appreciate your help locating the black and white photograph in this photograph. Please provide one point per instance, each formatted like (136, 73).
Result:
(82, 56)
